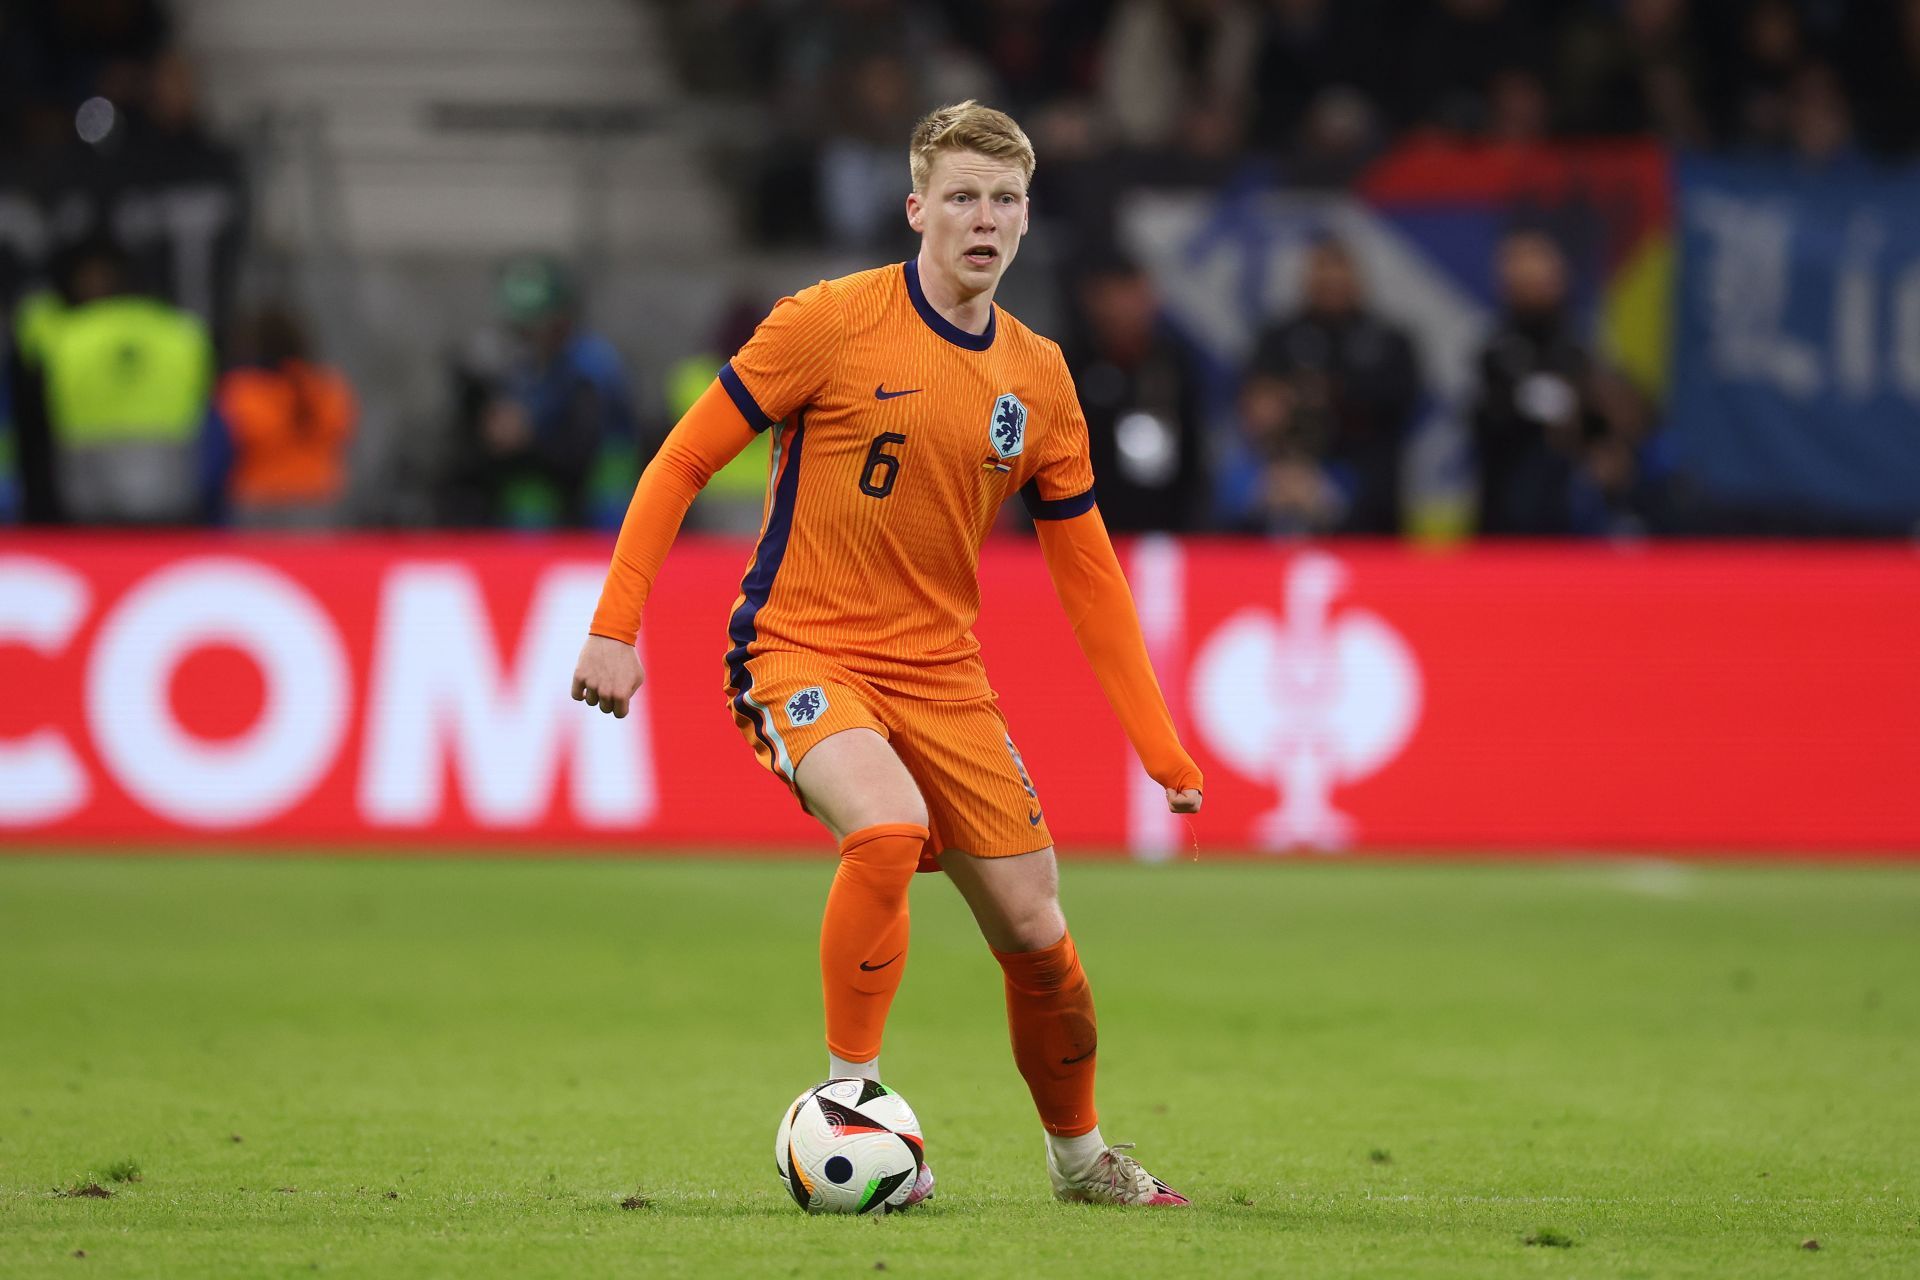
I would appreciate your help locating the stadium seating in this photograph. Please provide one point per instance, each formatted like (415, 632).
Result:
(470, 134)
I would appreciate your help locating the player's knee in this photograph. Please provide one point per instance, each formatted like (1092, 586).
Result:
(1033, 926)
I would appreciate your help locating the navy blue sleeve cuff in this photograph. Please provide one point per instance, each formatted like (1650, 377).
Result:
(1054, 508)
(743, 399)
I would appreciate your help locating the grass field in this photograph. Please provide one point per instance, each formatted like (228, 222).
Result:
(463, 1068)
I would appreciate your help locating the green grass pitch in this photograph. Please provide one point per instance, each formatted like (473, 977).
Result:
(365, 1067)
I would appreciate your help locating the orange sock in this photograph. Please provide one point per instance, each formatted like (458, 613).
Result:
(1050, 1013)
(863, 937)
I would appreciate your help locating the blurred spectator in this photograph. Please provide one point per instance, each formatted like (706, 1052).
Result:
(1342, 132)
(1554, 434)
(544, 405)
(1163, 58)
(1326, 407)
(136, 165)
(1634, 72)
(863, 171)
(1141, 392)
(820, 67)
(1753, 77)
(291, 420)
(1819, 120)
(112, 413)
(733, 501)
(1036, 51)
(1518, 111)
(1310, 52)
(169, 160)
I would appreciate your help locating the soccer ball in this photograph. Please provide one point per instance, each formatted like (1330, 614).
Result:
(849, 1146)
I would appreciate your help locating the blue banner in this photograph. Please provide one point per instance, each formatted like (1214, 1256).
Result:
(1797, 357)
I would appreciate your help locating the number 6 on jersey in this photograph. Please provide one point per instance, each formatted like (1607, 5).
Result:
(879, 459)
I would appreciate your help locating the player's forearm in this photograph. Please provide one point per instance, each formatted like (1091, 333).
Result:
(1086, 574)
(706, 439)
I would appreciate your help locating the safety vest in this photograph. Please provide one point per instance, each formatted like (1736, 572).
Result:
(742, 483)
(127, 383)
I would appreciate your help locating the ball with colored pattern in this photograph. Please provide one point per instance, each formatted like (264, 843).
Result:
(849, 1146)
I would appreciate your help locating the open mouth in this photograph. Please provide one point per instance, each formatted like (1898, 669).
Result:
(981, 255)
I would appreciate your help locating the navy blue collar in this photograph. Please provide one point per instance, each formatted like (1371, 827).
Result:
(940, 324)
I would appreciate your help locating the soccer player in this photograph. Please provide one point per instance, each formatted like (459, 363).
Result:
(905, 408)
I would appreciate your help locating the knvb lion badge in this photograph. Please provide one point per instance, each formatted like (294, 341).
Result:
(1006, 432)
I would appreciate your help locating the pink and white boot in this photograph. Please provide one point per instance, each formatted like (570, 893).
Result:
(1113, 1177)
(922, 1187)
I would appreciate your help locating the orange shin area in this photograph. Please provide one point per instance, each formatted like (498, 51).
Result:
(863, 935)
(1050, 1018)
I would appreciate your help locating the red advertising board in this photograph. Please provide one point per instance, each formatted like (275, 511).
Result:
(390, 692)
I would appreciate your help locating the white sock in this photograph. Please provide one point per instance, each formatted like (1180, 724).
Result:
(839, 1068)
(1074, 1156)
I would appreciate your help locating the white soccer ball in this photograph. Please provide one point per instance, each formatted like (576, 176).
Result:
(849, 1146)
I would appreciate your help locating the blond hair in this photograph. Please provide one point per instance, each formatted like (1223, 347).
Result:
(967, 126)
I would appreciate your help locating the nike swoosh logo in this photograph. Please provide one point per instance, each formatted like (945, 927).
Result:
(881, 393)
(875, 968)
(1067, 1062)
(1033, 819)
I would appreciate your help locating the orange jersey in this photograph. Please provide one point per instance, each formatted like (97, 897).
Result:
(898, 438)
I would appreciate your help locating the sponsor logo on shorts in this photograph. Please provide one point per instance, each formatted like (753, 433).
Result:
(806, 706)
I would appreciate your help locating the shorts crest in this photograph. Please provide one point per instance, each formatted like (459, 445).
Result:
(806, 706)
(1007, 429)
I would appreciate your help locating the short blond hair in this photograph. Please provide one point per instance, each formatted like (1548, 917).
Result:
(967, 126)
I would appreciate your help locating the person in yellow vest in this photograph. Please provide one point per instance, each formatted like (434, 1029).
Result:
(733, 501)
(121, 385)
(291, 419)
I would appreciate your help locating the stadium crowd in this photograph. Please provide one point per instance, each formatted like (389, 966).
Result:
(1194, 91)
(137, 389)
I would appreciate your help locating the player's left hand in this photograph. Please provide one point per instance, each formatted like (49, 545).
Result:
(1187, 801)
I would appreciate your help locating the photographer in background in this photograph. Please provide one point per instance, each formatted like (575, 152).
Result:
(1555, 434)
(1141, 393)
(547, 425)
(1325, 408)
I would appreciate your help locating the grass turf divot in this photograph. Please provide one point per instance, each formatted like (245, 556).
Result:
(83, 1191)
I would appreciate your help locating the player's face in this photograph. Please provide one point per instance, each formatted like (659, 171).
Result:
(970, 218)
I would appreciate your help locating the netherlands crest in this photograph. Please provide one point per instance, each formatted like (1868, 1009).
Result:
(1007, 429)
(804, 707)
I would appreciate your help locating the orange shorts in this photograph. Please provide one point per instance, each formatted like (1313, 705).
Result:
(978, 795)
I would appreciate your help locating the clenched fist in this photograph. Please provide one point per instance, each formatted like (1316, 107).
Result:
(607, 675)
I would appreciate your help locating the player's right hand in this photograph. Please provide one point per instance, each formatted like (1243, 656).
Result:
(607, 675)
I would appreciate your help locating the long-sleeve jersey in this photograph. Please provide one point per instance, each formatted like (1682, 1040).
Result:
(897, 437)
